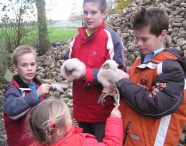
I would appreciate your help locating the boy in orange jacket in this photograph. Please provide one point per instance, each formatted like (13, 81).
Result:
(153, 105)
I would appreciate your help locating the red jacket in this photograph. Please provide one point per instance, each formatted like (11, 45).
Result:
(154, 114)
(113, 136)
(93, 51)
(18, 101)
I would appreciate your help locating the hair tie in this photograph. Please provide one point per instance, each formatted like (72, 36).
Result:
(51, 123)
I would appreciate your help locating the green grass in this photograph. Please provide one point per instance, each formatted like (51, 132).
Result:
(61, 33)
(56, 33)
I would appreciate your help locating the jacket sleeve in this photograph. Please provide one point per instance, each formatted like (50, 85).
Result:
(119, 55)
(164, 102)
(69, 51)
(16, 105)
(113, 134)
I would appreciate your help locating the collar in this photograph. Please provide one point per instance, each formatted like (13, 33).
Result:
(19, 83)
(83, 30)
(88, 32)
(157, 51)
(74, 130)
(150, 55)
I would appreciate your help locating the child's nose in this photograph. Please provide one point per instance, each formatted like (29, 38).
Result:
(29, 67)
(89, 15)
(138, 42)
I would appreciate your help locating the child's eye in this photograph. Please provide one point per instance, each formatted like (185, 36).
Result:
(144, 40)
(33, 64)
(93, 12)
(85, 13)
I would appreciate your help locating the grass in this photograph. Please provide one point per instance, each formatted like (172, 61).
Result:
(56, 33)
(61, 33)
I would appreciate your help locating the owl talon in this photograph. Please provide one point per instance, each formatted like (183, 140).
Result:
(101, 98)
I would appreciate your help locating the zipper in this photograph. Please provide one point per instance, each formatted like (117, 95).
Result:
(126, 131)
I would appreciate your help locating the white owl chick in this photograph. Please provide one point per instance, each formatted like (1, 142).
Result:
(108, 76)
(72, 69)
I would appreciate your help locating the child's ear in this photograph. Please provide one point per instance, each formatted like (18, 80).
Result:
(164, 34)
(15, 67)
(104, 14)
(60, 132)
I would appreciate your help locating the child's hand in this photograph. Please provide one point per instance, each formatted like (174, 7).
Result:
(109, 90)
(43, 89)
(122, 74)
(115, 112)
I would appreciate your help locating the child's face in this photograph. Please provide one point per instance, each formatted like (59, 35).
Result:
(92, 15)
(26, 67)
(148, 42)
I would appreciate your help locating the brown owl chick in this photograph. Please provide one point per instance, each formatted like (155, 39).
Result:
(108, 76)
(72, 69)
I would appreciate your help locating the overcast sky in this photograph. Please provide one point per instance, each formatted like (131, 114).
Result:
(61, 9)
(55, 9)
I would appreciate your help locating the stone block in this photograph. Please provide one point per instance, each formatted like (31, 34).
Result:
(7, 78)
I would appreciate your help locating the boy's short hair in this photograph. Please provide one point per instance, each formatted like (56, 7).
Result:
(154, 17)
(20, 50)
(102, 4)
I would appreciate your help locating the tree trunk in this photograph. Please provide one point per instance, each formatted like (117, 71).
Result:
(44, 42)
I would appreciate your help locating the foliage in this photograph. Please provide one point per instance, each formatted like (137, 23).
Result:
(111, 4)
(56, 33)
(15, 16)
(121, 4)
